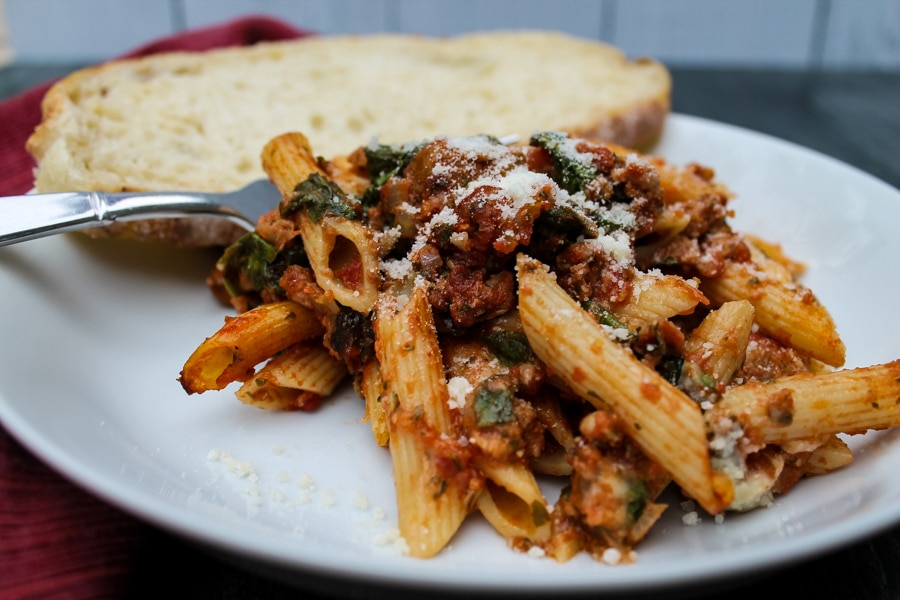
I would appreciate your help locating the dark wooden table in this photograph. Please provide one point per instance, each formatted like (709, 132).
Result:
(854, 117)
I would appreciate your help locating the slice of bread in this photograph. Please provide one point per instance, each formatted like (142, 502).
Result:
(182, 121)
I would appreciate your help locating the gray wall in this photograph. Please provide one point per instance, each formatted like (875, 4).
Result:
(831, 34)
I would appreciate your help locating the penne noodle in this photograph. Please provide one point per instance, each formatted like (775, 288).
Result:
(232, 353)
(431, 504)
(372, 389)
(787, 312)
(657, 297)
(773, 258)
(302, 367)
(809, 405)
(718, 344)
(345, 259)
(833, 454)
(513, 502)
(664, 422)
(341, 251)
(288, 159)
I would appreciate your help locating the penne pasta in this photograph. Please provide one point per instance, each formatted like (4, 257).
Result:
(788, 312)
(295, 378)
(808, 405)
(658, 297)
(341, 251)
(833, 454)
(232, 353)
(432, 489)
(718, 343)
(344, 258)
(372, 389)
(513, 502)
(288, 159)
(663, 421)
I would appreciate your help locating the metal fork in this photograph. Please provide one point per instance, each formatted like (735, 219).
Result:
(39, 215)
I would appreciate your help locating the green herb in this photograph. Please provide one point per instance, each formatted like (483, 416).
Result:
(250, 255)
(539, 513)
(707, 380)
(318, 196)
(383, 162)
(440, 484)
(565, 222)
(493, 406)
(352, 337)
(605, 224)
(511, 347)
(292, 254)
(638, 494)
(670, 367)
(605, 317)
(574, 172)
(780, 415)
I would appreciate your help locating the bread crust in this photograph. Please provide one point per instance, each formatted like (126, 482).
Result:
(85, 113)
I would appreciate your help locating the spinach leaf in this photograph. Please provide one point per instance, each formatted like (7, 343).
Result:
(574, 170)
(250, 255)
(318, 196)
(493, 406)
(511, 347)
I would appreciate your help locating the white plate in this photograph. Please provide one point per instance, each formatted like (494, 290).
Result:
(95, 333)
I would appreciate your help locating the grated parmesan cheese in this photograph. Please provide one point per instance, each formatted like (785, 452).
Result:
(611, 556)
(397, 269)
(617, 245)
(459, 388)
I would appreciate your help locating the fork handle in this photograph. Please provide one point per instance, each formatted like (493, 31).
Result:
(38, 215)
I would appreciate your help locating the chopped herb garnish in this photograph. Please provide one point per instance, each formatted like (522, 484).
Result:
(250, 255)
(605, 317)
(670, 367)
(780, 415)
(608, 226)
(493, 406)
(318, 196)
(573, 170)
(352, 337)
(566, 222)
(637, 499)
(440, 485)
(511, 347)
(383, 162)
(707, 380)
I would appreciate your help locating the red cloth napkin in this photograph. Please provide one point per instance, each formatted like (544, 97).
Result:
(55, 539)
